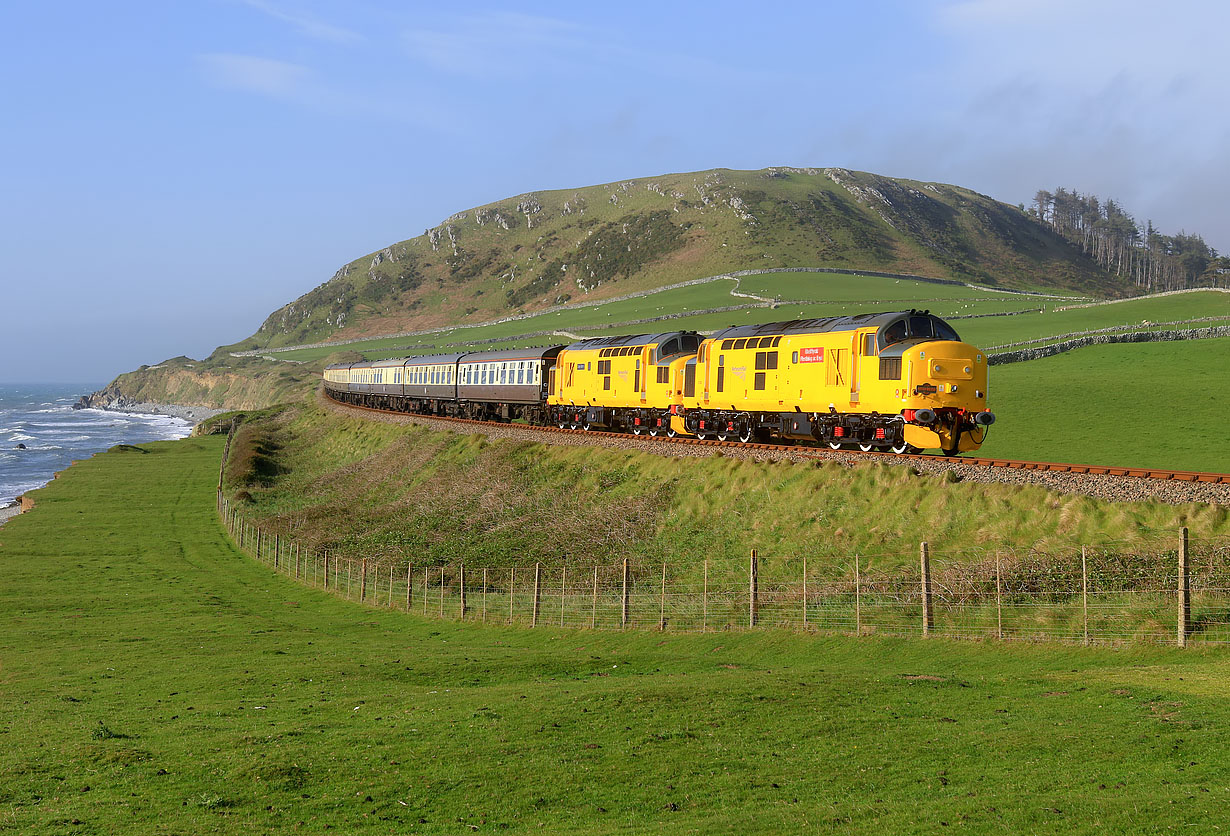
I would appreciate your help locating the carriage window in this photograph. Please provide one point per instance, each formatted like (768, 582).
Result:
(740, 344)
(727, 344)
(869, 345)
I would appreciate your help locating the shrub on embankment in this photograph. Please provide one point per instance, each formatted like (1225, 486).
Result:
(392, 493)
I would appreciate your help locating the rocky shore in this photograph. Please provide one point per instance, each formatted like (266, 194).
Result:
(111, 403)
(8, 512)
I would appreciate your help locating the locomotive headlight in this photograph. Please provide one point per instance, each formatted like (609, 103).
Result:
(968, 369)
(953, 388)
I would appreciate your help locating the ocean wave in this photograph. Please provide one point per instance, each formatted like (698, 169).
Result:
(21, 437)
(51, 424)
(42, 448)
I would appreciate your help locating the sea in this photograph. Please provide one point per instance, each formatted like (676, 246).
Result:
(41, 417)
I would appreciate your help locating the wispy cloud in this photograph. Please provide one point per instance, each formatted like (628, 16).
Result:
(305, 24)
(504, 42)
(270, 77)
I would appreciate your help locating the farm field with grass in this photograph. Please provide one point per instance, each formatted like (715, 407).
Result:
(1153, 314)
(158, 681)
(824, 294)
(1159, 405)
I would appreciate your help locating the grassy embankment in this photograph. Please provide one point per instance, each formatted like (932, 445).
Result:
(157, 681)
(367, 489)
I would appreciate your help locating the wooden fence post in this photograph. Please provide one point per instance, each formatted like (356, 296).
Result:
(390, 586)
(277, 550)
(463, 591)
(563, 587)
(593, 615)
(426, 582)
(363, 580)
(1085, 595)
(704, 601)
(999, 600)
(441, 592)
(484, 596)
(858, 602)
(326, 569)
(349, 576)
(409, 586)
(537, 594)
(623, 611)
(512, 576)
(753, 591)
(928, 614)
(1185, 591)
(662, 602)
(804, 592)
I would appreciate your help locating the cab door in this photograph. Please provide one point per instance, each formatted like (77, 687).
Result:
(862, 357)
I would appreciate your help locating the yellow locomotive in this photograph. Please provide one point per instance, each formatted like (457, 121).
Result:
(895, 381)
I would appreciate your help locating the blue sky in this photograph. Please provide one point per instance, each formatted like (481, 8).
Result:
(171, 171)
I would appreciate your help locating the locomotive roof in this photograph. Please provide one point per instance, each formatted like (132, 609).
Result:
(817, 326)
(631, 339)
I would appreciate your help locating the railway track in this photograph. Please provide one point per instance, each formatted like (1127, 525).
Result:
(820, 453)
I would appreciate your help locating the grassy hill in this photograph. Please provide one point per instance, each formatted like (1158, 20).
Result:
(552, 248)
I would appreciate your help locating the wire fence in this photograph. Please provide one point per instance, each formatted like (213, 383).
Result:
(1104, 594)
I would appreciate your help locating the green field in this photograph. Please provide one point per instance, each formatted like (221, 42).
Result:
(1156, 405)
(1032, 326)
(158, 682)
(821, 294)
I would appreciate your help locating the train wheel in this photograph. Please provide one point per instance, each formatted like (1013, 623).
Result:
(903, 448)
(670, 432)
(585, 425)
(637, 429)
(745, 434)
(866, 448)
(834, 445)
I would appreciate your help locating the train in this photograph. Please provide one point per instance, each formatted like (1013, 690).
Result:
(897, 381)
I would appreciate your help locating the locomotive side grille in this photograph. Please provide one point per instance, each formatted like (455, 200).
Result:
(890, 368)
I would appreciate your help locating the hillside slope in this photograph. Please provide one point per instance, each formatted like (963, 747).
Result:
(548, 248)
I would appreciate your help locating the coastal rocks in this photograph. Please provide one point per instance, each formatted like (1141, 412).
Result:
(112, 401)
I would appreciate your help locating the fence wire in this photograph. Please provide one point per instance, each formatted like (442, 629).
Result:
(1111, 593)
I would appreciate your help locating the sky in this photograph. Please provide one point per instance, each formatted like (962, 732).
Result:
(172, 171)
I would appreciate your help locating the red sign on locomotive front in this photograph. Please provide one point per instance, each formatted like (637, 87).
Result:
(812, 355)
